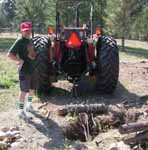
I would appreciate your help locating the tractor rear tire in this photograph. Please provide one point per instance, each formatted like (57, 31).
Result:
(41, 45)
(107, 65)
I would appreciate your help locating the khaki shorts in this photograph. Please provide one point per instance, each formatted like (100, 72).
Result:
(28, 82)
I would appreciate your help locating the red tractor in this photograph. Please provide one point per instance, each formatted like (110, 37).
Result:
(79, 51)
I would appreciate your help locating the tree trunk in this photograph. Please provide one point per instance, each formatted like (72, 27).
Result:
(93, 108)
(123, 43)
(32, 29)
(133, 127)
(139, 138)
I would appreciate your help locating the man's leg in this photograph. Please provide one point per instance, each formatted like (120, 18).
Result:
(22, 96)
(29, 100)
(33, 87)
(24, 87)
(22, 114)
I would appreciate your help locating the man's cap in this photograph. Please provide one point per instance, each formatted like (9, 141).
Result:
(25, 26)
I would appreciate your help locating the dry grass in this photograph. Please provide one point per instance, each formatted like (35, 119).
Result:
(134, 44)
(8, 83)
(134, 51)
(13, 35)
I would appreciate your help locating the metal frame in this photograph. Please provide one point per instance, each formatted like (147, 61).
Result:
(77, 15)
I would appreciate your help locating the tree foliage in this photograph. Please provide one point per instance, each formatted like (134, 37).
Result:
(8, 8)
(128, 18)
(7, 12)
(39, 12)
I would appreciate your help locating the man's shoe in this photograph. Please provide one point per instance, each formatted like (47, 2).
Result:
(29, 109)
(23, 116)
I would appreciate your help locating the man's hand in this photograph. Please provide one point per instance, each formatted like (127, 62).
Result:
(18, 60)
(20, 64)
(15, 58)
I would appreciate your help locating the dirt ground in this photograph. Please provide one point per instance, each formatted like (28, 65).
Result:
(42, 134)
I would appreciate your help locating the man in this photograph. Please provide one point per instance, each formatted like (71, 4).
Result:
(22, 52)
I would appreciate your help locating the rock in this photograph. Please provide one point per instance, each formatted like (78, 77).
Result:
(119, 146)
(14, 128)
(78, 146)
(2, 135)
(113, 148)
(5, 129)
(8, 140)
(21, 140)
(9, 135)
(3, 146)
(15, 132)
(15, 144)
(12, 133)
(17, 136)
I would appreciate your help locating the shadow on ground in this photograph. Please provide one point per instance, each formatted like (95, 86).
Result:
(50, 129)
(89, 95)
(138, 52)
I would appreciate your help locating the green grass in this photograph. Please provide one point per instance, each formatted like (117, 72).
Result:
(8, 98)
(133, 54)
(8, 73)
(8, 83)
(138, 52)
(134, 50)
(6, 43)
(8, 77)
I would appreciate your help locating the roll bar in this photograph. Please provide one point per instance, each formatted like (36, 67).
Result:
(77, 14)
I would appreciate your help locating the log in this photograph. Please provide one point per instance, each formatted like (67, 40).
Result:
(43, 105)
(88, 108)
(8, 136)
(139, 138)
(116, 115)
(133, 127)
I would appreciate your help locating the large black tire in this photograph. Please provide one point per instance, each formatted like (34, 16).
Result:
(41, 45)
(107, 65)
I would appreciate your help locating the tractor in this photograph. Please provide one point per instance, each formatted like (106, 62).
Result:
(79, 50)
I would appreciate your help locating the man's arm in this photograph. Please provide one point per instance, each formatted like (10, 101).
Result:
(15, 58)
(13, 51)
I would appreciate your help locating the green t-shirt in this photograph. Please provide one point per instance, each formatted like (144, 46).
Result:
(20, 49)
